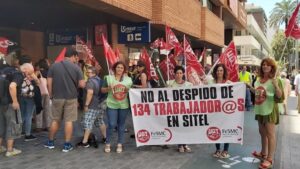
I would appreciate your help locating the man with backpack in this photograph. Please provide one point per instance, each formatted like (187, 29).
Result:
(92, 111)
(10, 115)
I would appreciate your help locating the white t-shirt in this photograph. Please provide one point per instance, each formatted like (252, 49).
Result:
(297, 82)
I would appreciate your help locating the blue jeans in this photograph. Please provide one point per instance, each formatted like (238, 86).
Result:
(27, 107)
(116, 117)
(226, 147)
(248, 99)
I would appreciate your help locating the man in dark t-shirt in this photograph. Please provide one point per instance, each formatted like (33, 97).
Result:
(63, 80)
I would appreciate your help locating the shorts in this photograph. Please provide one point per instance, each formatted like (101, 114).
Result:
(10, 123)
(92, 117)
(64, 109)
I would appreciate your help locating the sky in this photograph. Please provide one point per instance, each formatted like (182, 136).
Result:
(267, 5)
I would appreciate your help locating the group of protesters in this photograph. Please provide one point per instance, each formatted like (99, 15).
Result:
(57, 85)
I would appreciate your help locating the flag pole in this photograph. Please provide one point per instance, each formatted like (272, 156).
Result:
(184, 57)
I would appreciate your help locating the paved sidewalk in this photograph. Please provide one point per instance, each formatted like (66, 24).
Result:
(36, 156)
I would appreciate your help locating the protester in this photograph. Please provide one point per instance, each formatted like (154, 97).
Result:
(117, 87)
(245, 77)
(220, 76)
(268, 92)
(287, 90)
(10, 127)
(43, 118)
(140, 79)
(63, 80)
(180, 82)
(92, 113)
(297, 90)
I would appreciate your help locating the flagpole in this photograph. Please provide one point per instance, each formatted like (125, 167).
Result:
(184, 57)
(212, 68)
(168, 69)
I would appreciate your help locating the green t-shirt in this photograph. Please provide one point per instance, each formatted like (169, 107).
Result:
(264, 97)
(118, 98)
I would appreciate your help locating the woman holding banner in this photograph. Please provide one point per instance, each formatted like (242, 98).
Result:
(268, 93)
(220, 76)
(180, 82)
(117, 87)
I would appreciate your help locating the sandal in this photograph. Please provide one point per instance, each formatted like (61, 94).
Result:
(259, 155)
(217, 154)
(181, 149)
(119, 148)
(224, 154)
(107, 148)
(266, 164)
(187, 149)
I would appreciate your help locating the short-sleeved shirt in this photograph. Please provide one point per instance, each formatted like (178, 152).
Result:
(297, 82)
(18, 78)
(94, 84)
(65, 77)
(118, 99)
(173, 83)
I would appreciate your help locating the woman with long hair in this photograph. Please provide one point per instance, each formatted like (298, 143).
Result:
(267, 89)
(117, 87)
(220, 76)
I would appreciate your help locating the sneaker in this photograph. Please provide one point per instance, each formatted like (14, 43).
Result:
(2, 149)
(30, 138)
(67, 147)
(49, 144)
(13, 153)
(217, 154)
(81, 144)
(224, 154)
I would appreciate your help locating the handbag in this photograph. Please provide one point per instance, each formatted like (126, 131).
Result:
(281, 99)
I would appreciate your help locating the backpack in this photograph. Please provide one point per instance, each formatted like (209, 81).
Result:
(6, 76)
(99, 82)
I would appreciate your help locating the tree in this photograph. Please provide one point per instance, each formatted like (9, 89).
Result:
(278, 44)
(281, 13)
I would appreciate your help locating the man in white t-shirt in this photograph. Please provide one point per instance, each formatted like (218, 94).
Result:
(297, 89)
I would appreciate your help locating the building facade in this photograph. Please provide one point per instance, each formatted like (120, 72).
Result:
(252, 43)
(52, 24)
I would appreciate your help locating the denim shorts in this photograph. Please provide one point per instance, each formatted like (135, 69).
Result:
(92, 117)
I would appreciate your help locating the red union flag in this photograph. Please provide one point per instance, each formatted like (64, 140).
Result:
(156, 44)
(293, 29)
(81, 46)
(172, 41)
(4, 44)
(61, 55)
(194, 70)
(163, 65)
(151, 73)
(229, 59)
(109, 53)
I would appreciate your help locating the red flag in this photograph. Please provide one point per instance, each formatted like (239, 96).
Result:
(293, 29)
(194, 70)
(61, 56)
(163, 65)
(229, 59)
(202, 56)
(151, 73)
(165, 48)
(173, 42)
(156, 44)
(81, 46)
(117, 53)
(108, 53)
(4, 44)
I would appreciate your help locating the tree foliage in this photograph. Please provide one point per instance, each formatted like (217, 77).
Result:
(278, 44)
(281, 13)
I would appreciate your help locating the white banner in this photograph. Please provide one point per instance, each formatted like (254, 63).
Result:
(189, 115)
